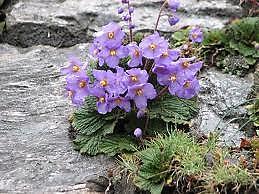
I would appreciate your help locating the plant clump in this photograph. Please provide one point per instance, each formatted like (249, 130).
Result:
(130, 88)
(178, 162)
(234, 48)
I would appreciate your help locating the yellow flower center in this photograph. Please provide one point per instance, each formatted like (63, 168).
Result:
(76, 68)
(187, 84)
(102, 99)
(152, 46)
(103, 83)
(118, 101)
(113, 52)
(134, 78)
(194, 36)
(185, 64)
(136, 53)
(165, 54)
(82, 84)
(111, 35)
(173, 78)
(139, 92)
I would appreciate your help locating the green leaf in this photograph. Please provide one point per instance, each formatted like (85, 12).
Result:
(92, 127)
(213, 37)
(118, 144)
(88, 144)
(173, 109)
(179, 36)
(250, 60)
(87, 120)
(145, 184)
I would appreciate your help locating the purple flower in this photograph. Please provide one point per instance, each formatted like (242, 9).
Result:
(170, 77)
(167, 57)
(78, 86)
(136, 76)
(160, 69)
(102, 100)
(138, 132)
(196, 35)
(120, 79)
(111, 35)
(104, 79)
(120, 10)
(141, 93)
(153, 46)
(136, 55)
(131, 10)
(74, 98)
(112, 55)
(187, 67)
(173, 20)
(125, 1)
(95, 50)
(190, 88)
(119, 101)
(173, 4)
(74, 67)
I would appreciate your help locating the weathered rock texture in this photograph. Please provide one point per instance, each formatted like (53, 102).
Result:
(36, 154)
(221, 97)
(64, 23)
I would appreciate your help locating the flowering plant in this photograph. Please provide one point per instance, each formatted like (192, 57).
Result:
(147, 79)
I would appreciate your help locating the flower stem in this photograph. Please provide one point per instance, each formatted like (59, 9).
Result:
(130, 24)
(160, 14)
(162, 92)
(146, 123)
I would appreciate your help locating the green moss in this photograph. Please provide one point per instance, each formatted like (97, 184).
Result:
(224, 174)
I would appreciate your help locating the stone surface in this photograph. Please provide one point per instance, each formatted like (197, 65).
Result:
(220, 99)
(64, 23)
(36, 154)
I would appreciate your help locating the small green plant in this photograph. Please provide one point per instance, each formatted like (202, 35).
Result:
(253, 111)
(233, 48)
(176, 160)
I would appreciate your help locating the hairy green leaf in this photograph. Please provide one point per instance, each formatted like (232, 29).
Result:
(118, 144)
(173, 109)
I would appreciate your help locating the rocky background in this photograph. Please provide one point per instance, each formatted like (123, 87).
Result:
(36, 154)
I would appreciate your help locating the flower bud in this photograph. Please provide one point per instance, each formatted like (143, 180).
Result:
(138, 132)
(120, 10)
(173, 4)
(131, 9)
(126, 17)
(132, 26)
(173, 20)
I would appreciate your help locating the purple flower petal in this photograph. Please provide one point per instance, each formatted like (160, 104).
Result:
(153, 46)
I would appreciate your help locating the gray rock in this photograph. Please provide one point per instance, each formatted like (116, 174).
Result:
(66, 23)
(36, 154)
(221, 98)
